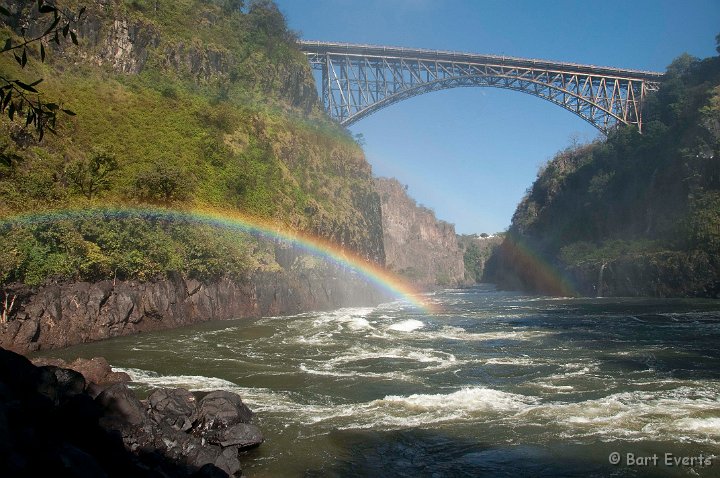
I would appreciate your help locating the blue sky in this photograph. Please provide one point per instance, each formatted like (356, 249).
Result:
(471, 153)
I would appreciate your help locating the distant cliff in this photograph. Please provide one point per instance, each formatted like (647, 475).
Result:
(634, 214)
(417, 245)
(477, 250)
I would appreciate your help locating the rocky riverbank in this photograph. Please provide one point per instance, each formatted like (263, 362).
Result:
(64, 314)
(650, 274)
(56, 422)
(662, 274)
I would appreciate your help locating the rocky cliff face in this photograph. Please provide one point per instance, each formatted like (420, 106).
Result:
(239, 122)
(417, 245)
(631, 214)
(60, 315)
(130, 39)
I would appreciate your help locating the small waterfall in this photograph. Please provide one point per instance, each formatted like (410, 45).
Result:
(600, 279)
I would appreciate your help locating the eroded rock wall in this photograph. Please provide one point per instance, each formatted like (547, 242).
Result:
(60, 315)
(418, 246)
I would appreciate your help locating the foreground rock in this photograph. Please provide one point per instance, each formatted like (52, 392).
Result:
(96, 370)
(50, 425)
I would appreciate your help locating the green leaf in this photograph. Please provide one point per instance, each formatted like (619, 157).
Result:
(52, 25)
(8, 45)
(17, 58)
(42, 52)
(36, 82)
(25, 86)
(11, 111)
(4, 11)
(69, 112)
(24, 58)
(66, 29)
(7, 99)
(51, 106)
(47, 8)
(73, 37)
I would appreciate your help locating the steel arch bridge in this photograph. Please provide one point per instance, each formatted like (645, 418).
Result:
(358, 80)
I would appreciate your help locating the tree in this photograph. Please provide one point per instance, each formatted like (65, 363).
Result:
(91, 176)
(163, 183)
(267, 18)
(21, 100)
(230, 6)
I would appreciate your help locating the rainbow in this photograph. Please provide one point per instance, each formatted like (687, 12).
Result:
(537, 271)
(373, 273)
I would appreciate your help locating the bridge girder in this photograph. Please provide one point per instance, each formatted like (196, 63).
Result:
(358, 80)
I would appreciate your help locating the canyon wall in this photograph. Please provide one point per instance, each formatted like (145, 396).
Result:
(418, 246)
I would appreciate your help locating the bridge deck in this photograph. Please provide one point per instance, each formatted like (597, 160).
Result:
(309, 46)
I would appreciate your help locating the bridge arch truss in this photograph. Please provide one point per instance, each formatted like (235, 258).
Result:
(358, 80)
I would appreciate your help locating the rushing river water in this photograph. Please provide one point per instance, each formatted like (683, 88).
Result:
(497, 384)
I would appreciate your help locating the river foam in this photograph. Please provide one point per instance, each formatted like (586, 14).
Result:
(683, 414)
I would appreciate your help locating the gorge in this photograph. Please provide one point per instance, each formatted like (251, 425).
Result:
(202, 224)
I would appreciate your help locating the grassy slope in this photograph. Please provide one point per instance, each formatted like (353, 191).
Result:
(230, 135)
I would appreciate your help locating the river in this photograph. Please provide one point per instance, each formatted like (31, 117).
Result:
(496, 384)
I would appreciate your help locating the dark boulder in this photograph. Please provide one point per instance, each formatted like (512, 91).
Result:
(228, 461)
(98, 370)
(209, 471)
(69, 382)
(121, 407)
(242, 435)
(173, 407)
(17, 372)
(59, 384)
(51, 426)
(95, 370)
(77, 463)
(222, 409)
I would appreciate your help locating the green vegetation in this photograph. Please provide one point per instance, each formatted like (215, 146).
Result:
(180, 104)
(476, 252)
(99, 246)
(635, 195)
